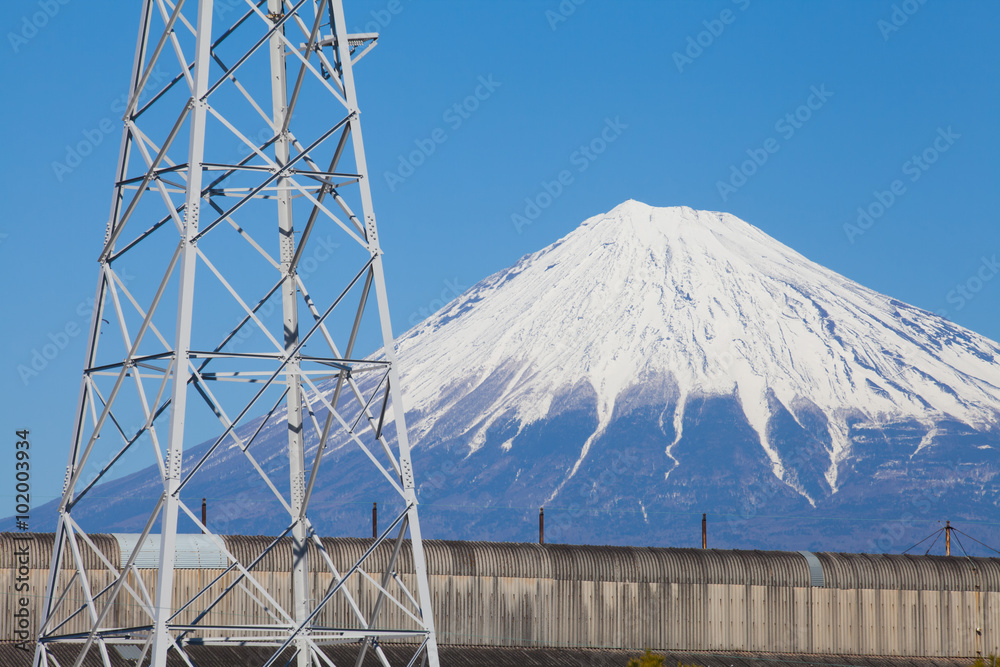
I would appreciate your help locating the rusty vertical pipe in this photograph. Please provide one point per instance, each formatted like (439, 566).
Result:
(541, 525)
(204, 515)
(704, 531)
(947, 538)
(374, 520)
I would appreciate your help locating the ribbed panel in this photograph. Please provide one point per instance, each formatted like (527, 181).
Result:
(815, 569)
(195, 552)
(39, 550)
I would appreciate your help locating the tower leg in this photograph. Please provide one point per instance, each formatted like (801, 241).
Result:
(290, 319)
(162, 639)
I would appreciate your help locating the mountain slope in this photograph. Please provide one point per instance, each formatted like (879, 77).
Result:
(716, 306)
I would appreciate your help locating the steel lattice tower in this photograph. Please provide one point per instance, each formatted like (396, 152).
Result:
(232, 166)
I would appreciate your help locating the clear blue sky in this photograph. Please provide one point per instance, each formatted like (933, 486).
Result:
(683, 92)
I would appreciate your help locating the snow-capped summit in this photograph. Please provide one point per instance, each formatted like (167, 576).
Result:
(714, 306)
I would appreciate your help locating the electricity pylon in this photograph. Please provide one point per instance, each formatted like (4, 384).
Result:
(275, 79)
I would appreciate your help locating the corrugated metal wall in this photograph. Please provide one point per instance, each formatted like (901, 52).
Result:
(501, 594)
(35, 551)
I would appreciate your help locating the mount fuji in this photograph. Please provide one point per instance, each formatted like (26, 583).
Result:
(660, 363)
(660, 360)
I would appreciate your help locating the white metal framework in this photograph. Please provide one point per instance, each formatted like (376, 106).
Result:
(264, 92)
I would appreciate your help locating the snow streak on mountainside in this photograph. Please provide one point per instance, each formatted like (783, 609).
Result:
(715, 306)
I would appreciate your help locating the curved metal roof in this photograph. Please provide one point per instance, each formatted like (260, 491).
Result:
(906, 572)
(559, 562)
(196, 552)
(649, 564)
(815, 569)
(38, 548)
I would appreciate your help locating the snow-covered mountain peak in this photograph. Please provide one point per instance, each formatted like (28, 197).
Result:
(712, 304)
(652, 365)
(706, 236)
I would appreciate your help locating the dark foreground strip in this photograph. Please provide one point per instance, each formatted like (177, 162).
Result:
(479, 656)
